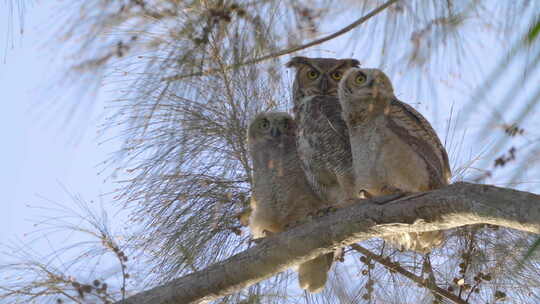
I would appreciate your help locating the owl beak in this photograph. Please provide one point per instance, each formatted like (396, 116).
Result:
(275, 132)
(324, 84)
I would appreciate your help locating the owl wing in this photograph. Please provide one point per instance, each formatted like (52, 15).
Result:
(418, 132)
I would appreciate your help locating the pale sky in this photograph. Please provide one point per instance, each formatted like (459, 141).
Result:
(40, 153)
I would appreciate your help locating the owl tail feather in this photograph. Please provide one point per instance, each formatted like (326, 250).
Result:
(312, 274)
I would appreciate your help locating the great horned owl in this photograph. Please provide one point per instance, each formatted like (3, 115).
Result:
(281, 194)
(322, 137)
(394, 148)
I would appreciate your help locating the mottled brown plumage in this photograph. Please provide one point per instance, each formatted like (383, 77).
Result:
(281, 193)
(325, 149)
(322, 137)
(394, 148)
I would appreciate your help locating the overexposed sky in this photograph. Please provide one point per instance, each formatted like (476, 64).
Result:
(41, 153)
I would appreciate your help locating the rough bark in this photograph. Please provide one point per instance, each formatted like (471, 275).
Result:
(459, 204)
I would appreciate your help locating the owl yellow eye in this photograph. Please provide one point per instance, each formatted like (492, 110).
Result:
(360, 78)
(312, 74)
(264, 124)
(337, 75)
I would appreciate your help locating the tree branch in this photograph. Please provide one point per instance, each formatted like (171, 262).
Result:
(457, 205)
(344, 30)
(386, 262)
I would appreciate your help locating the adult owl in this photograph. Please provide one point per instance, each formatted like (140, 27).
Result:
(322, 136)
(394, 148)
(281, 195)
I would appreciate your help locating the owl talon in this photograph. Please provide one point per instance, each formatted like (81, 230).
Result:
(339, 255)
(363, 194)
(267, 233)
(243, 216)
(256, 241)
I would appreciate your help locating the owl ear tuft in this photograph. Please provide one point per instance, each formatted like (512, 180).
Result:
(296, 61)
(353, 63)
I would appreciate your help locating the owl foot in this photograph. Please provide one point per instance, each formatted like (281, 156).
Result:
(267, 233)
(256, 241)
(363, 194)
(339, 255)
(243, 216)
(393, 193)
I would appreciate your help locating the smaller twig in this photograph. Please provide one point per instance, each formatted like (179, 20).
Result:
(427, 268)
(466, 261)
(475, 286)
(386, 262)
(344, 30)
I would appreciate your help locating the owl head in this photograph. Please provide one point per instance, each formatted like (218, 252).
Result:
(364, 94)
(365, 84)
(271, 126)
(318, 76)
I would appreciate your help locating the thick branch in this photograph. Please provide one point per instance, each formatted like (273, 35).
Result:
(457, 205)
(344, 30)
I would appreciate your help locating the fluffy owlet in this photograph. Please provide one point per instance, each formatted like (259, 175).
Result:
(281, 194)
(322, 137)
(394, 148)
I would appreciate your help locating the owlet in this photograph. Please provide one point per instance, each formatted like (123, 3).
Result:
(281, 194)
(394, 148)
(322, 137)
